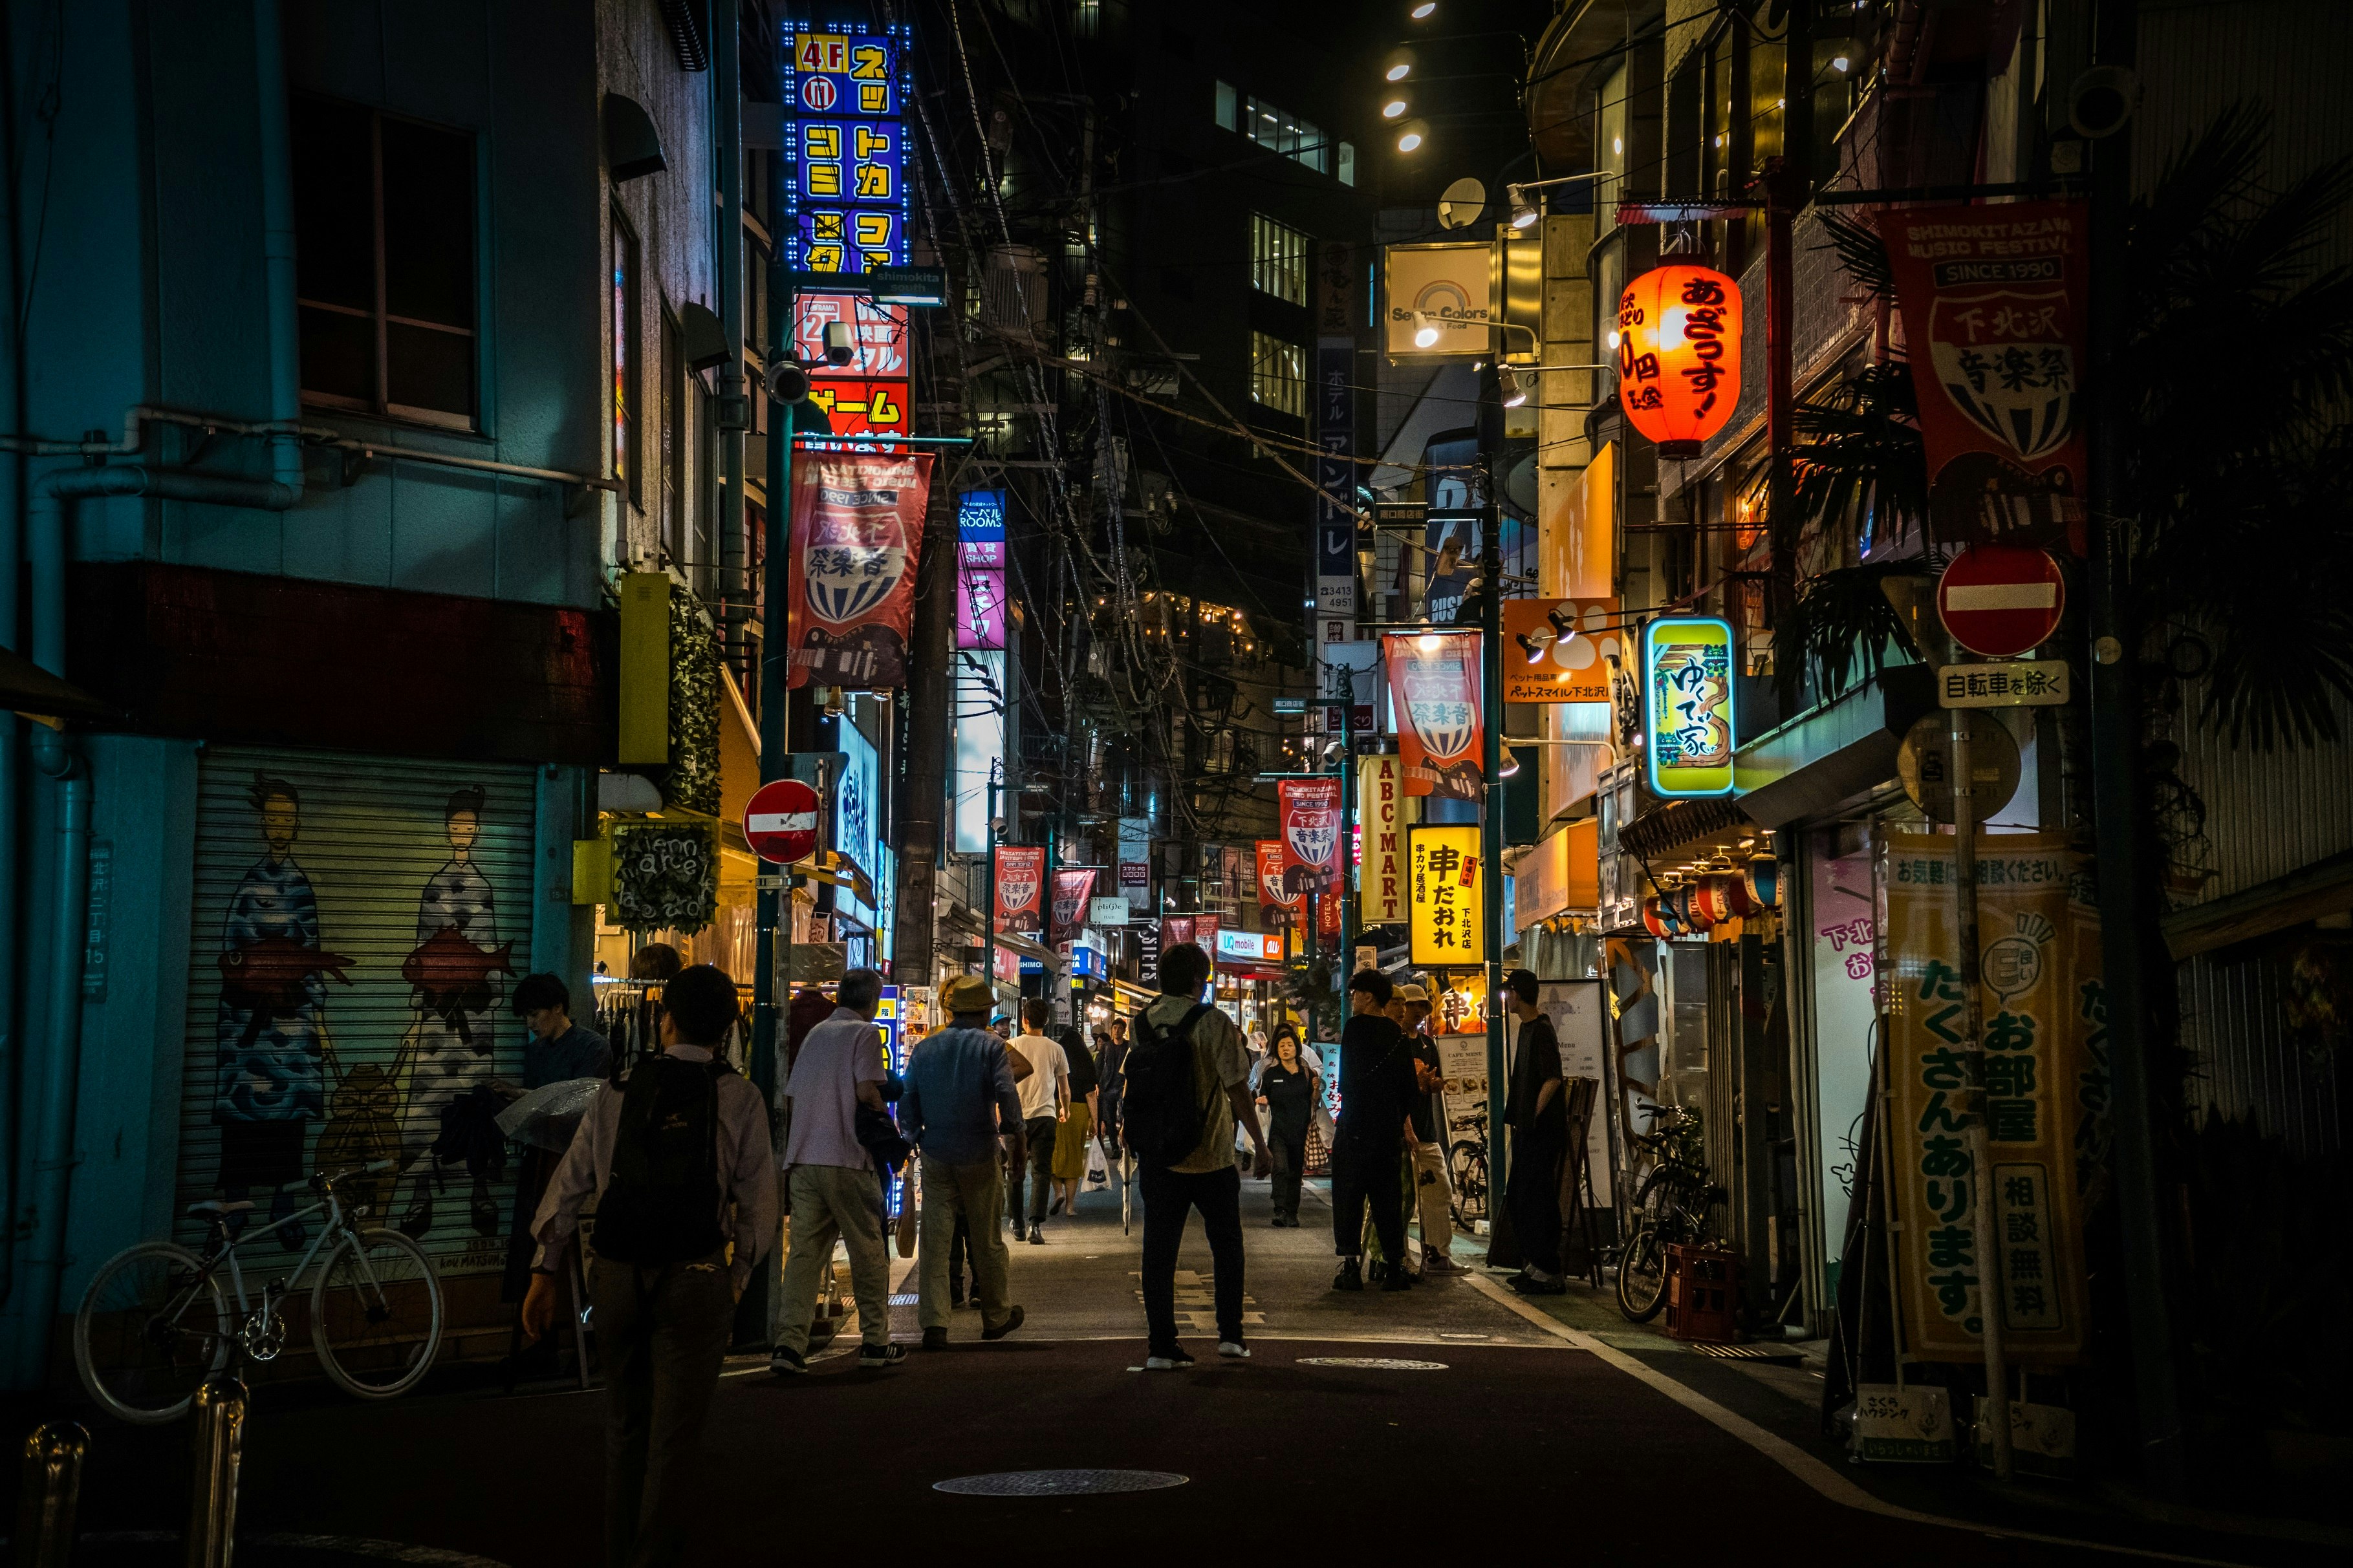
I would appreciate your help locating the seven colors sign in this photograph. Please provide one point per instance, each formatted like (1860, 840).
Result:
(1687, 682)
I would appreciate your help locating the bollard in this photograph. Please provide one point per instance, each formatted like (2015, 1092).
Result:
(50, 1495)
(212, 1505)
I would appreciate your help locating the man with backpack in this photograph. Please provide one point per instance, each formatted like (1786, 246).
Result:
(836, 1189)
(680, 1164)
(1188, 1086)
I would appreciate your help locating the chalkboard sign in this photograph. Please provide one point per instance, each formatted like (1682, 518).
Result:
(665, 876)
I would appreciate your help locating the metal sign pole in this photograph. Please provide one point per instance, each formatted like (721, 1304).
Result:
(1990, 1295)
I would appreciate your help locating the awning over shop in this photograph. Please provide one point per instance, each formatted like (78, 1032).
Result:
(1832, 756)
(1013, 942)
(1662, 830)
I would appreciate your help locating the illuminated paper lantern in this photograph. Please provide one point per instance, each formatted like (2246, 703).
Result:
(1763, 877)
(1656, 918)
(1679, 354)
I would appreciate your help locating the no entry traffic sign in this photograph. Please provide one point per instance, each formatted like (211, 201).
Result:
(780, 821)
(2000, 600)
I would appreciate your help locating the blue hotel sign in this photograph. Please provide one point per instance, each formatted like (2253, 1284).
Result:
(844, 90)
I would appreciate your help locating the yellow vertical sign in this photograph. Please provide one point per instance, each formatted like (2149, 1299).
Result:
(1383, 811)
(645, 668)
(2045, 1023)
(1447, 899)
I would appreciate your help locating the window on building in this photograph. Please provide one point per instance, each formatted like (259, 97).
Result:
(384, 219)
(1278, 259)
(1347, 164)
(1277, 129)
(1227, 102)
(673, 442)
(627, 465)
(1278, 374)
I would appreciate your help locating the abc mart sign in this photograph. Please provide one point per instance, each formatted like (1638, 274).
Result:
(1452, 286)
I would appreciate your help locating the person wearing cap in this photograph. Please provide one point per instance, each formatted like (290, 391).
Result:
(1433, 1191)
(960, 1097)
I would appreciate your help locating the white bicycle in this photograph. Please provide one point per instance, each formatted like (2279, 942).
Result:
(156, 1319)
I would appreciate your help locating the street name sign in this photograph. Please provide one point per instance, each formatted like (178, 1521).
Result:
(2024, 683)
(1999, 600)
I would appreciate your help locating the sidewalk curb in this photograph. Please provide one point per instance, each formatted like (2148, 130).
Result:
(1825, 1481)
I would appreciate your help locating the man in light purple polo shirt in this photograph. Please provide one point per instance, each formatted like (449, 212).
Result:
(837, 1193)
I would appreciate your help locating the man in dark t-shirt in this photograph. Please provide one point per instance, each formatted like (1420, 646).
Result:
(1537, 1113)
(1376, 1092)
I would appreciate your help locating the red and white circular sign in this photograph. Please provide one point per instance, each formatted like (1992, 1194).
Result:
(780, 820)
(1999, 600)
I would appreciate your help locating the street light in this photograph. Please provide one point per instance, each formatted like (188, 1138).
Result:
(1421, 13)
(1515, 390)
(1524, 211)
(1400, 64)
(1412, 134)
(1393, 108)
(1425, 331)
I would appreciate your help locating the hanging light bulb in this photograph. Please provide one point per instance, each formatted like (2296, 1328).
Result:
(1400, 65)
(1412, 134)
(1393, 108)
(1427, 642)
(1421, 13)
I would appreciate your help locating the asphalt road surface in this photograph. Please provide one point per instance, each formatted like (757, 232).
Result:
(1504, 1435)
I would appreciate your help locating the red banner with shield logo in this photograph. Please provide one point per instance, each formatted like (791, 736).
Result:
(1071, 891)
(858, 529)
(1434, 688)
(1275, 902)
(1020, 886)
(1309, 814)
(1994, 305)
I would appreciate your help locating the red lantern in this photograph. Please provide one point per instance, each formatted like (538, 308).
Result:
(1679, 354)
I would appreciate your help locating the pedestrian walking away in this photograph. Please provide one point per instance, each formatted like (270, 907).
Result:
(1078, 1123)
(679, 1160)
(960, 1098)
(1187, 1088)
(1433, 1187)
(1289, 1092)
(1537, 1114)
(1377, 1084)
(832, 1182)
(1045, 1101)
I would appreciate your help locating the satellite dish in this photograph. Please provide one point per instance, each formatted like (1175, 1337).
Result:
(1460, 207)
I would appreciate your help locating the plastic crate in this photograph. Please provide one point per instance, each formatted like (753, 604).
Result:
(1702, 1293)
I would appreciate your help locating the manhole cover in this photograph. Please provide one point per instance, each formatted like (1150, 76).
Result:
(1373, 1363)
(1060, 1483)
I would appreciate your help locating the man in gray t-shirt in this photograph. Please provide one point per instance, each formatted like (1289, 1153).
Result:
(835, 1192)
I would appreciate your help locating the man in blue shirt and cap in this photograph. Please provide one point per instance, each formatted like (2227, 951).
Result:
(959, 1098)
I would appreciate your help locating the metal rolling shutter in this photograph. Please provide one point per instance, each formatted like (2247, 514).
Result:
(373, 846)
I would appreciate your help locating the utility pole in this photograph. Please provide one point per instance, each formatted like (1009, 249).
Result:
(2118, 801)
(1490, 708)
(931, 686)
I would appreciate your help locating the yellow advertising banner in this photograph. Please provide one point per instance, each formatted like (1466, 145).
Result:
(1383, 812)
(2045, 1025)
(1447, 925)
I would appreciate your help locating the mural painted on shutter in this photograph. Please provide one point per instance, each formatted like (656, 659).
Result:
(359, 924)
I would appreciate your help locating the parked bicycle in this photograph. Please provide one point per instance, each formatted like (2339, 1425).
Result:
(157, 1317)
(1675, 1204)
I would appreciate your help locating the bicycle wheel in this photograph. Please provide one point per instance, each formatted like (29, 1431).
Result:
(375, 1314)
(1642, 1264)
(149, 1328)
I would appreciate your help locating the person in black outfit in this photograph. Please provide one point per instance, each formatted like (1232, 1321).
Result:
(1288, 1090)
(1376, 1085)
(1537, 1114)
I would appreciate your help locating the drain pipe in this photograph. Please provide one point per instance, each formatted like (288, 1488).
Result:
(276, 147)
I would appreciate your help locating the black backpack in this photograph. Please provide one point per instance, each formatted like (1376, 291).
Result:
(1162, 1103)
(661, 1203)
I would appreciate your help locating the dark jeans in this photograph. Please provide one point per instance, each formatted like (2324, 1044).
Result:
(1290, 1151)
(662, 1333)
(1107, 1124)
(1362, 1175)
(1535, 1197)
(1041, 1131)
(1168, 1194)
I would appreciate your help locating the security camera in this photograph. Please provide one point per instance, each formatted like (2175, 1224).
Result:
(2101, 100)
(840, 342)
(787, 381)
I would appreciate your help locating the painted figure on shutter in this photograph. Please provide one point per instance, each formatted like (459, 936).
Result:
(270, 1030)
(454, 970)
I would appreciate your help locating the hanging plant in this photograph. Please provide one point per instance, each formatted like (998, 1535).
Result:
(665, 876)
(692, 778)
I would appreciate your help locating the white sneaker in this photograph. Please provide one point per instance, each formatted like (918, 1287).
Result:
(1233, 1350)
(1176, 1362)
